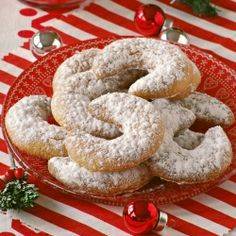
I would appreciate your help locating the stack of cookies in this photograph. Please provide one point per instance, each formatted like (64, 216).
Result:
(124, 115)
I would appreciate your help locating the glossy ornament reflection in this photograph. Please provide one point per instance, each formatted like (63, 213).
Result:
(143, 216)
(175, 35)
(149, 19)
(167, 24)
(54, 4)
(44, 41)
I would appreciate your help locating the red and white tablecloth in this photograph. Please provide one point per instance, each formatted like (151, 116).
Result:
(211, 213)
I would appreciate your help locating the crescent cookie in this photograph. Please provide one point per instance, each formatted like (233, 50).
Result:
(76, 177)
(79, 62)
(208, 109)
(28, 128)
(142, 129)
(171, 73)
(72, 95)
(205, 162)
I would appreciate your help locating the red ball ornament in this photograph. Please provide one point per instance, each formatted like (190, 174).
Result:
(9, 174)
(2, 184)
(19, 173)
(143, 216)
(149, 19)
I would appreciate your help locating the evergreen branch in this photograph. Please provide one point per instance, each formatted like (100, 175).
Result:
(18, 194)
(201, 7)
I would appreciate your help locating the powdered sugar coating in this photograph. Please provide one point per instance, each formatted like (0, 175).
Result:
(175, 116)
(76, 88)
(201, 164)
(29, 130)
(70, 106)
(74, 176)
(188, 139)
(79, 62)
(142, 134)
(171, 73)
(208, 108)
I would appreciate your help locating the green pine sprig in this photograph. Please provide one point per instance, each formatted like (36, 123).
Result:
(18, 194)
(201, 7)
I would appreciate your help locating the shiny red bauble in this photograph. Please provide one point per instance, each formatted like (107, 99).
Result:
(9, 175)
(2, 184)
(140, 216)
(19, 173)
(149, 19)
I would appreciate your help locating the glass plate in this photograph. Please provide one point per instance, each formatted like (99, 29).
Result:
(217, 80)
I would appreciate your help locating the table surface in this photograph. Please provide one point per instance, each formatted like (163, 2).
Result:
(211, 213)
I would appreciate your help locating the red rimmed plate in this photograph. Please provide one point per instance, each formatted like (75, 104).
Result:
(217, 80)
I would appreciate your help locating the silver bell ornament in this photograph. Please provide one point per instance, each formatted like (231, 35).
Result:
(44, 41)
(173, 34)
